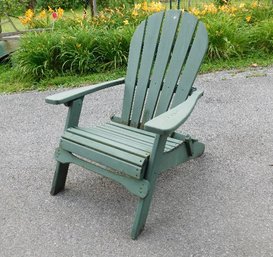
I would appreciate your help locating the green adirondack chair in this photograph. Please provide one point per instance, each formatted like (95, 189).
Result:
(166, 52)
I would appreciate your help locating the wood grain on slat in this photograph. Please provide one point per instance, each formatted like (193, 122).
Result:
(149, 50)
(109, 140)
(102, 158)
(195, 58)
(132, 71)
(166, 41)
(184, 38)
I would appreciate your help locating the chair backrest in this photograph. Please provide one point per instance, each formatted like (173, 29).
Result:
(166, 52)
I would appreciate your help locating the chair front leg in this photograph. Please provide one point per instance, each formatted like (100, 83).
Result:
(151, 175)
(72, 120)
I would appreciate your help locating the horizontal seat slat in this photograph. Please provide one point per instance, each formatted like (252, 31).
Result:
(135, 142)
(146, 134)
(126, 141)
(141, 131)
(110, 141)
(141, 135)
(118, 146)
(103, 159)
(137, 139)
(106, 149)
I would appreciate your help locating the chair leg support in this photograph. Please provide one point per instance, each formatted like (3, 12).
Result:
(151, 175)
(59, 178)
(141, 214)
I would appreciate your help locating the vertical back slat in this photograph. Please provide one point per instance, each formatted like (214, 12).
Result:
(168, 32)
(132, 71)
(184, 38)
(195, 58)
(166, 52)
(149, 50)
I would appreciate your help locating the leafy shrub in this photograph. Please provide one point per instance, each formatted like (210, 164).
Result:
(227, 37)
(114, 3)
(221, 2)
(12, 7)
(73, 51)
(78, 46)
(234, 29)
(65, 4)
(261, 36)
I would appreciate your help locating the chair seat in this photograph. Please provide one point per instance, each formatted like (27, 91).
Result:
(125, 149)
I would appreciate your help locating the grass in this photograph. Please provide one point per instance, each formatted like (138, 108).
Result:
(237, 63)
(11, 81)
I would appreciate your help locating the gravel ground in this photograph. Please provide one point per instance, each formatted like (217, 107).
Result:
(220, 204)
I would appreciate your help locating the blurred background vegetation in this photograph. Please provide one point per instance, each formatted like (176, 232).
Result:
(77, 44)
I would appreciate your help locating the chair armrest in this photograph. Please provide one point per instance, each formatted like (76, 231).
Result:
(76, 93)
(169, 121)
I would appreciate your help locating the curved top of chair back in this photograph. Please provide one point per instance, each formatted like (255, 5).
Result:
(166, 52)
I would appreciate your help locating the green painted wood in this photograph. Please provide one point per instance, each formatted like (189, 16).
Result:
(130, 138)
(137, 187)
(125, 167)
(151, 175)
(110, 151)
(59, 179)
(61, 170)
(166, 41)
(169, 121)
(74, 113)
(184, 38)
(112, 142)
(165, 54)
(146, 65)
(195, 58)
(146, 141)
(140, 132)
(127, 140)
(178, 136)
(156, 75)
(180, 155)
(132, 72)
(73, 94)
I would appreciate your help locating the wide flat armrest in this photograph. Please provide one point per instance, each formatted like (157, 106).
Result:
(169, 121)
(70, 95)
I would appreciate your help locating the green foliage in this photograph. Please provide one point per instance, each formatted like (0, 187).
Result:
(12, 7)
(221, 2)
(114, 3)
(261, 36)
(72, 51)
(65, 4)
(228, 38)
(238, 31)
(82, 46)
(12, 80)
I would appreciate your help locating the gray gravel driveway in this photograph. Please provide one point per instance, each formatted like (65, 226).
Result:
(220, 204)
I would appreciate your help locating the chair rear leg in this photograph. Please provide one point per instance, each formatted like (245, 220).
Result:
(59, 179)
